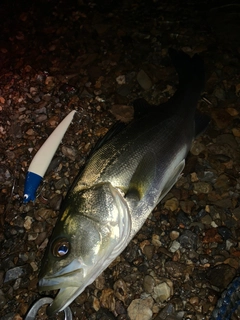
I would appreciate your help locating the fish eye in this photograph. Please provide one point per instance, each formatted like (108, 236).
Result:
(60, 247)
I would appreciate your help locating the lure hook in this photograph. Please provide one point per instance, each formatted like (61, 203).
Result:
(31, 315)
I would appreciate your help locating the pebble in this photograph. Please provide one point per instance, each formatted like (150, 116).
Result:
(140, 309)
(187, 206)
(148, 284)
(236, 132)
(175, 245)
(43, 214)
(202, 187)
(14, 273)
(171, 204)
(163, 291)
(149, 250)
(207, 219)
(188, 240)
(144, 80)
(70, 153)
(174, 234)
(221, 275)
(177, 269)
(28, 222)
(120, 290)
(197, 148)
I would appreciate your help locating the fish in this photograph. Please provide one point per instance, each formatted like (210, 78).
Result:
(124, 179)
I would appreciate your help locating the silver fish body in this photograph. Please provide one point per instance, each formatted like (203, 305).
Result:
(120, 185)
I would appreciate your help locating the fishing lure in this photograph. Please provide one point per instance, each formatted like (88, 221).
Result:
(43, 157)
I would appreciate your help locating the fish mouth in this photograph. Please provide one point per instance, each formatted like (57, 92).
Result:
(68, 280)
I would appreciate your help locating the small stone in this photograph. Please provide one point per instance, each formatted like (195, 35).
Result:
(40, 118)
(156, 240)
(28, 222)
(148, 250)
(177, 269)
(120, 290)
(202, 187)
(69, 153)
(236, 132)
(107, 299)
(163, 291)
(194, 177)
(43, 214)
(197, 148)
(207, 219)
(14, 273)
(221, 117)
(219, 93)
(34, 266)
(174, 234)
(123, 113)
(175, 245)
(148, 284)
(232, 111)
(194, 301)
(212, 236)
(187, 206)
(30, 132)
(144, 80)
(171, 204)
(121, 79)
(188, 240)
(140, 309)
(221, 275)
(96, 304)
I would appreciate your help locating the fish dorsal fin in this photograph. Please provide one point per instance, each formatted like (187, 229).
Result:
(142, 178)
(172, 179)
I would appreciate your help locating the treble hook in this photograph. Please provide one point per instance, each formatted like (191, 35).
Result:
(39, 303)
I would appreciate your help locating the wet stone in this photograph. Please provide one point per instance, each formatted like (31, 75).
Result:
(144, 80)
(43, 214)
(163, 291)
(221, 275)
(207, 219)
(14, 273)
(171, 204)
(188, 240)
(182, 218)
(175, 269)
(69, 153)
(175, 245)
(202, 187)
(55, 202)
(141, 307)
(63, 182)
(148, 283)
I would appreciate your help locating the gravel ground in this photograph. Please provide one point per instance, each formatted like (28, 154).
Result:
(97, 57)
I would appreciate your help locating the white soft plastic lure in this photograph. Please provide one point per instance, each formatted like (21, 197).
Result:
(43, 157)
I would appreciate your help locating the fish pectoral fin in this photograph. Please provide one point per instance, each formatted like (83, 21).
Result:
(142, 178)
(172, 180)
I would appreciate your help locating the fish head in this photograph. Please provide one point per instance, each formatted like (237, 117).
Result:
(91, 232)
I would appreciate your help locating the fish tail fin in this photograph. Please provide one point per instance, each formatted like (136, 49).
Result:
(190, 70)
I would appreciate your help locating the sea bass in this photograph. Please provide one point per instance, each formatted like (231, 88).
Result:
(121, 183)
